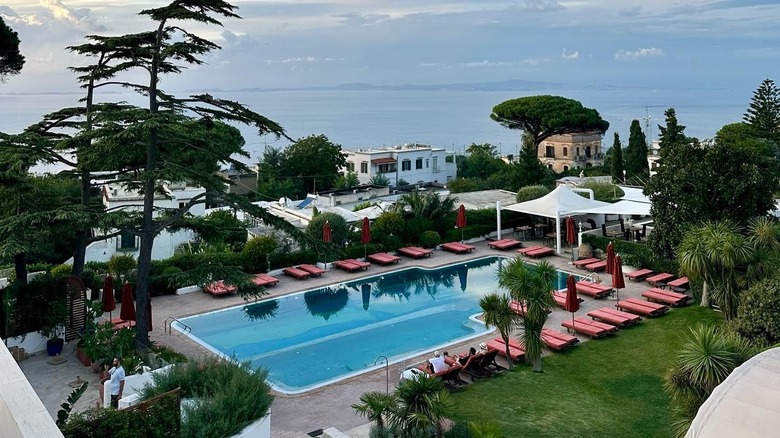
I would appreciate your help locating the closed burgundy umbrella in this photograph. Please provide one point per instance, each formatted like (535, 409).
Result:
(610, 258)
(365, 235)
(326, 237)
(127, 311)
(109, 303)
(572, 303)
(460, 220)
(618, 282)
(571, 232)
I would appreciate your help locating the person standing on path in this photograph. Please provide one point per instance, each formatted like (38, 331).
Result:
(117, 383)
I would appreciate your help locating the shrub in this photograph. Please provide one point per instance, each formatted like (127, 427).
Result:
(162, 421)
(603, 191)
(462, 185)
(430, 239)
(529, 193)
(362, 205)
(40, 303)
(229, 396)
(414, 228)
(61, 271)
(121, 264)
(388, 223)
(758, 314)
(633, 254)
(390, 242)
(161, 284)
(256, 252)
(41, 267)
(284, 259)
(358, 251)
(99, 267)
(338, 226)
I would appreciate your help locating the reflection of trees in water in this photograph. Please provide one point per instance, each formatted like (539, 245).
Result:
(261, 310)
(327, 301)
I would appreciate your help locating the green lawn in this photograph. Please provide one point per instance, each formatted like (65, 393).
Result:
(603, 388)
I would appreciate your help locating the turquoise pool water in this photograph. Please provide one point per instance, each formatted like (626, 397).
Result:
(313, 338)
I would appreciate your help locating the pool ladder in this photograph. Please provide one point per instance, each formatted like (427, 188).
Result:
(167, 325)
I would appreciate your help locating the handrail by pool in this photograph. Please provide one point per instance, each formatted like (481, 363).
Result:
(167, 326)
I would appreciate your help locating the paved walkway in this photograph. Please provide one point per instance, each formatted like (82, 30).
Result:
(292, 415)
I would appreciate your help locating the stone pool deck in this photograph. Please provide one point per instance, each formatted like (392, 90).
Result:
(295, 415)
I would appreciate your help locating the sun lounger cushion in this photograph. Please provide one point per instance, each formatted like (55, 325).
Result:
(542, 252)
(588, 327)
(582, 262)
(296, 273)
(557, 341)
(383, 258)
(525, 251)
(596, 266)
(639, 275)
(560, 297)
(347, 265)
(311, 269)
(639, 307)
(457, 247)
(218, 288)
(516, 354)
(658, 279)
(594, 290)
(264, 280)
(666, 296)
(415, 252)
(505, 244)
(614, 317)
(681, 284)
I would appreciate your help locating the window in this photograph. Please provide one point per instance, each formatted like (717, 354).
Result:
(364, 167)
(565, 168)
(549, 166)
(427, 163)
(587, 151)
(126, 242)
(565, 151)
(436, 164)
(181, 205)
(350, 166)
(406, 165)
(549, 152)
(418, 164)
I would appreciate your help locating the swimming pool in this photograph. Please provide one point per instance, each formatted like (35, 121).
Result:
(313, 338)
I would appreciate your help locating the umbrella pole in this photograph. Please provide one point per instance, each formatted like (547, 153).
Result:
(572, 324)
(365, 251)
(461, 235)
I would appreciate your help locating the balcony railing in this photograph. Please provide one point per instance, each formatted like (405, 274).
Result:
(591, 157)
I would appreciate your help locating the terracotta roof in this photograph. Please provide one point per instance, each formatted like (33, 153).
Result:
(385, 160)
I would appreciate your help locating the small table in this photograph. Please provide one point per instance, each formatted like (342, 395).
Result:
(540, 229)
(523, 231)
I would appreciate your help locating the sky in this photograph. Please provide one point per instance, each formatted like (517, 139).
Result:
(304, 43)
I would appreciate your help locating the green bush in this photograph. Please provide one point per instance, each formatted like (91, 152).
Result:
(603, 191)
(362, 205)
(529, 193)
(758, 314)
(38, 304)
(357, 251)
(388, 223)
(61, 271)
(281, 260)
(39, 267)
(121, 264)
(463, 185)
(414, 228)
(256, 252)
(470, 232)
(229, 396)
(99, 267)
(188, 262)
(430, 239)
(161, 284)
(633, 254)
(390, 242)
(338, 226)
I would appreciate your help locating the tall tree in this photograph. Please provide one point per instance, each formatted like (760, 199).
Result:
(616, 164)
(169, 140)
(528, 170)
(763, 114)
(636, 152)
(314, 160)
(498, 314)
(422, 403)
(481, 161)
(543, 116)
(11, 59)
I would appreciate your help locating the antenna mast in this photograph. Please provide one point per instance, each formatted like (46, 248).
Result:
(647, 119)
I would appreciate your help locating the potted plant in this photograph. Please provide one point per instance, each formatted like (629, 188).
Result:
(53, 326)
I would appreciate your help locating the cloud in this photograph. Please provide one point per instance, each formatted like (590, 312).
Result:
(78, 18)
(541, 5)
(633, 11)
(362, 19)
(628, 55)
(301, 60)
(573, 55)
(485, 63)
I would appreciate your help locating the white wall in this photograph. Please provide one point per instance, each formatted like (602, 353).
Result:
(164, 246)
(446, 171)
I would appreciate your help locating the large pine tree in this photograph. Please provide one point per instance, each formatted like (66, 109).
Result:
(616, 165)
(763, 114)
(636, 152)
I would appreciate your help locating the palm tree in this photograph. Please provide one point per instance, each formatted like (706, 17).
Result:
(532, 287)
(764, 235)
(427, 205)
(375, 406)
(707, 357)
(422, 402)
(498, 314)
(693, 257)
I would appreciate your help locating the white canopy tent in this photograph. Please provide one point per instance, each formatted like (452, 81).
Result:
(634, 194)
(622, 207)
(559, 202)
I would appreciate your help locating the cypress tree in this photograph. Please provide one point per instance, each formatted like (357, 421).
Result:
(763, 114)
(636, 152)
(617, 159)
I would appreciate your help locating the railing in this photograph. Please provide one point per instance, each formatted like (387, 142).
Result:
(168, 323)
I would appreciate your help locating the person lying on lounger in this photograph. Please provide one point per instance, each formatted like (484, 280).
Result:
(462, 359)
(436, 363)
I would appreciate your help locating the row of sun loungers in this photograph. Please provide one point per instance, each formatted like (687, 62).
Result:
(536, 251)
(614, 317)
(589, 327)
(504, 244)
(643, 308)
(666, 297)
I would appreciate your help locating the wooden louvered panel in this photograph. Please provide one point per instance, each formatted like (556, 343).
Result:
(77, 305)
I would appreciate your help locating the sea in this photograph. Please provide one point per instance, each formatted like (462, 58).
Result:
(453, 119)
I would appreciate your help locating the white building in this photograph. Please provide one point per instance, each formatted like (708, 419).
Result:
(410, 162)
(653, 155)
(116, 197)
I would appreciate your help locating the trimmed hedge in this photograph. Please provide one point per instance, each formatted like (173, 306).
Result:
(35, 303)
(633, 254)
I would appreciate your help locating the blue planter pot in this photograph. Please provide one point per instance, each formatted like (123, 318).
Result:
(54, 346)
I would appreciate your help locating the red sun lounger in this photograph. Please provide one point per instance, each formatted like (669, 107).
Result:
(659, 279)
(542, 252)
(558, 341)
(296, 273)
(614, 317)
(639, 307)
(311, 269)
(524, 251)
(639, 275)
(597, 266)
(505, 244)
(594, 290)
(582, 262)
(516, 354)
(517, 307)
(383, 258)
(264, 280)
(218, 288)
(679, 285)
(666, 297)
(457, 247)
(415, 252)
(351, 265)
(560, 297)
(588, 327)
